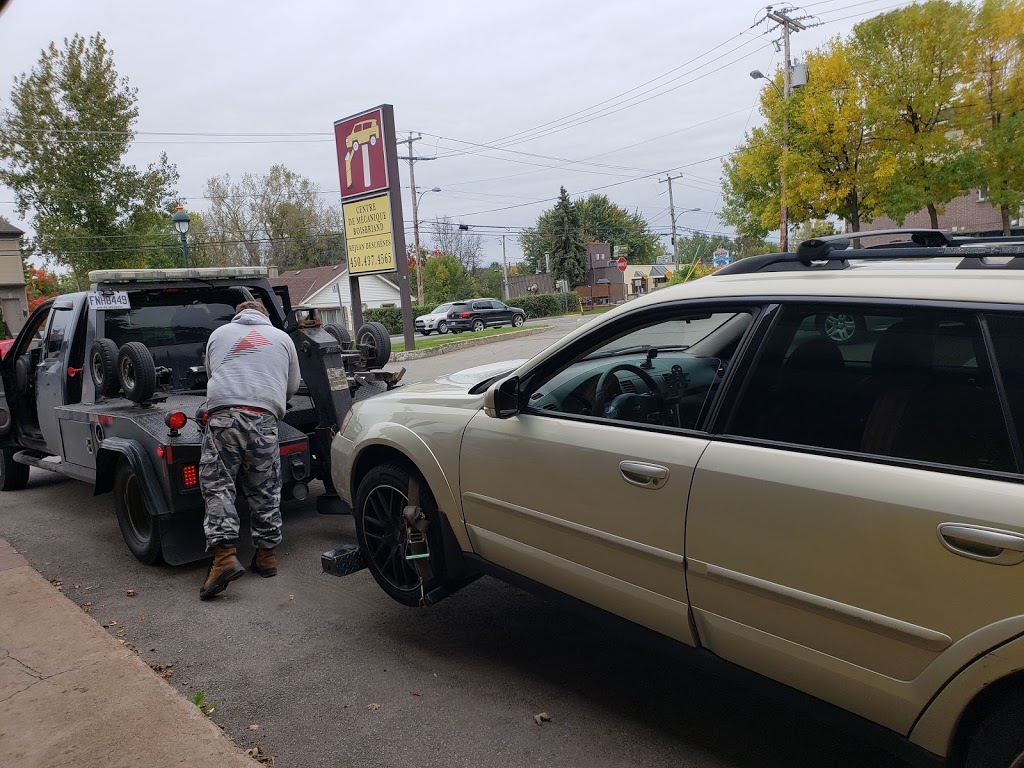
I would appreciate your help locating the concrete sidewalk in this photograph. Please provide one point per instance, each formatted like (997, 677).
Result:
(72, 695)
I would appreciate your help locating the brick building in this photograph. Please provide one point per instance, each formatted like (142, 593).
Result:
(967, 214)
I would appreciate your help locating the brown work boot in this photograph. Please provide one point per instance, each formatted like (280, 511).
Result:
(224, 569)
(264, 562)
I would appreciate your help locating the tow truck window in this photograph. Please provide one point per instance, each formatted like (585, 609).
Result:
(59, 325)
(168, 318)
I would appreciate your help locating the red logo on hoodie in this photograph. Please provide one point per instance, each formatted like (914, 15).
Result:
(252, 341)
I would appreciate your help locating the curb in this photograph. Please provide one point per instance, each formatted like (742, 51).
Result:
(455, 346)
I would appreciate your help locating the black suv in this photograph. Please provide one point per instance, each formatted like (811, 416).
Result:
(477, 314)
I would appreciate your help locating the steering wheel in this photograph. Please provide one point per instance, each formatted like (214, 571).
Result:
(602, 383)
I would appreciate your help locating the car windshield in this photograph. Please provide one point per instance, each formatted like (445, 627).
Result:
(676, 335)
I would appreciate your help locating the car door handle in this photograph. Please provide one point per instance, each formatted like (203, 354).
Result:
(643, 475)
(986, 544)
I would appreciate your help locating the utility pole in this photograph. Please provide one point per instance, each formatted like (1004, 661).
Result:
(672, 212)
(788, 25)
(504, 267)
(415, 212)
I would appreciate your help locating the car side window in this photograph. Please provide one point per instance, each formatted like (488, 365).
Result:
(62, 319)
(900, 383)
(1008, 340)
(498, 305)
(481, 305)
(661, 373)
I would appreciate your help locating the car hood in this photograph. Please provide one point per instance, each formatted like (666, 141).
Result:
(459, 382)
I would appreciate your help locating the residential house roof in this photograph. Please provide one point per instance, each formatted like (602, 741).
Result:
(304, 284)
(8, 229)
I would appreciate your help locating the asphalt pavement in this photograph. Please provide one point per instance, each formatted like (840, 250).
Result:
(321, 671)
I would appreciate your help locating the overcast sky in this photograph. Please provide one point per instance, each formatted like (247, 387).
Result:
(633, 88)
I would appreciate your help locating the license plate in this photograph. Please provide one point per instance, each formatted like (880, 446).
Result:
(111, 300)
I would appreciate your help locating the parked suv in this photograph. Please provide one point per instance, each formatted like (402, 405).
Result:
(435, 321)
(845, 519)
(478, 314)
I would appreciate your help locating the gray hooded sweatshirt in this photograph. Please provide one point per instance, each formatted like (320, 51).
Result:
(249, 362)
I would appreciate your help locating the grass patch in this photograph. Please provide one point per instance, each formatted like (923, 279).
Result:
(425, 342)
(599, 310)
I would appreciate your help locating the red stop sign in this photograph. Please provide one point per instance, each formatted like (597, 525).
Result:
(622, 264)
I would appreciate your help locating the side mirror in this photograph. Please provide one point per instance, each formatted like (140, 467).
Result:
(502, 398)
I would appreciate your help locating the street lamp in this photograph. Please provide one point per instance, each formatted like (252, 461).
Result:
(757, 74)
(416, 239)
(181, 221)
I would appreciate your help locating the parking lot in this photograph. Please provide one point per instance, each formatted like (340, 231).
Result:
(322, 671)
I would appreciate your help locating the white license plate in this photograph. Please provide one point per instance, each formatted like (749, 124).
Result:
(111, 300)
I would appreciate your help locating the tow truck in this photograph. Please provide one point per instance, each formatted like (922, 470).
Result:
(108, 386)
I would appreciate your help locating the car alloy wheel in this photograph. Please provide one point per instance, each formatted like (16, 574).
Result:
(478, 325)
(840, 328)
(518, 320)
(442, 327)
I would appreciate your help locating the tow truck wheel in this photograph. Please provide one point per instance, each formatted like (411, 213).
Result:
(374, 343)
(13, 476)
(381, 532)
(138, 526)
(103, 367)
(340, 334)
(136, 371)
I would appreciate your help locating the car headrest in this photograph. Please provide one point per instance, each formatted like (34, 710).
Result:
(904, 347)
(816, 356)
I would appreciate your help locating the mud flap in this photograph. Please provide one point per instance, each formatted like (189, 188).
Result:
(182, 539)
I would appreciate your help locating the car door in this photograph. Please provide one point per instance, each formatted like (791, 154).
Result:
(855, 532)
(54, 370)
(502, 314)
(585, 489)
(484, 311)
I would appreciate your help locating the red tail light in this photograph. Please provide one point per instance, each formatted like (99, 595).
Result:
(175, 420)
(465, 314)
(287, 450)
(190, 475)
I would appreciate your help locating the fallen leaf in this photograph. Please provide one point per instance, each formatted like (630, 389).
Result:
(87, 607)
(415, 693)
(160, 667)
(373, 707)
(345, 706)
(120, 633)
(167, 673)
(185, 683)
(254, 727)
(78, 586)
(142, 617)
(543, 717)
(291, 597)
(259, 756)
(132, 593)
(112, 623)
(58, 584)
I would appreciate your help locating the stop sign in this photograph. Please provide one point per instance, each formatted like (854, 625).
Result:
(622, 264)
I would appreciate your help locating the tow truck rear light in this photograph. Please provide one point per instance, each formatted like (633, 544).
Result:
(294, 448)
(176, 420)
(190, 475)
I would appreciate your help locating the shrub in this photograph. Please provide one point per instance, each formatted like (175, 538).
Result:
(391, 317)
(549, 304)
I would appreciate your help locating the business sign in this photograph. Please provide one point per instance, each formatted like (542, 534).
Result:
(368, 235)
(362, 153)
(720, 258)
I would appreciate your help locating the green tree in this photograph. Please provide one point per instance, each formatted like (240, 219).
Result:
(63, 140)
(752, 183)
(445, 279)
(599, 221)
(490, 281)
(811, 229)
(277, 218)
(993, 113)
(568, 253)
(915, 60)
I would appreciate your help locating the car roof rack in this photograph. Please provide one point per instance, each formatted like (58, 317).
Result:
(835, 252)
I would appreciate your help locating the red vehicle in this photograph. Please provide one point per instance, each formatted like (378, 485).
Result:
(5, 344)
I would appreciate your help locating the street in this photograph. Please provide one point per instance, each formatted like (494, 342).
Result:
(321, 671)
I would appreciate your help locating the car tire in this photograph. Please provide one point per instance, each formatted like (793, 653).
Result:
(518, 320)
(136, 371)
(374, 343)
(340, 334)
(138, 525)
(841, 327)
(373, 141)
(380, 532)
(103, 367)
(13, 476)
(442, 327)
(998, 741)
(478, 325)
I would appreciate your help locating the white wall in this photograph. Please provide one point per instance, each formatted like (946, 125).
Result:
(374, 291)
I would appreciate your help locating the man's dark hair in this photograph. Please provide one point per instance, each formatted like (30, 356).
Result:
(257, 305)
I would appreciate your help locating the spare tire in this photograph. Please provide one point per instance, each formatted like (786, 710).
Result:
(341, 335)
(103, 367)
(374, 344)
(136, 371)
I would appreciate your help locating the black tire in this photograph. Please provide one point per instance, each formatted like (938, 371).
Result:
(478, 325)
(425, 332)
(103, 367)
(442, 328)
(456, 332)
(998, 742)
(340, 334)
(518, 320)
(138, 526)
(380, 532)
(374, 343)
(13, 476)
(841, 327)
(136, 371)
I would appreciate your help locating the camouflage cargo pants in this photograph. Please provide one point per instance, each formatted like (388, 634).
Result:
(241, 444)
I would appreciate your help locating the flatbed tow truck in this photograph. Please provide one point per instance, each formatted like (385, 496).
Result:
(108, 386)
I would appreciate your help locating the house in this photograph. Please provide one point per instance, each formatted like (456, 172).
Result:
(13, 298)
(327, 289)
(968, 214)
(644, 278)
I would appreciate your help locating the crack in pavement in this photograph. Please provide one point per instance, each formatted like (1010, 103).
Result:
(39, 676)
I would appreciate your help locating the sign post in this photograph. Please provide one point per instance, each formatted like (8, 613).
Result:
(371, 204)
